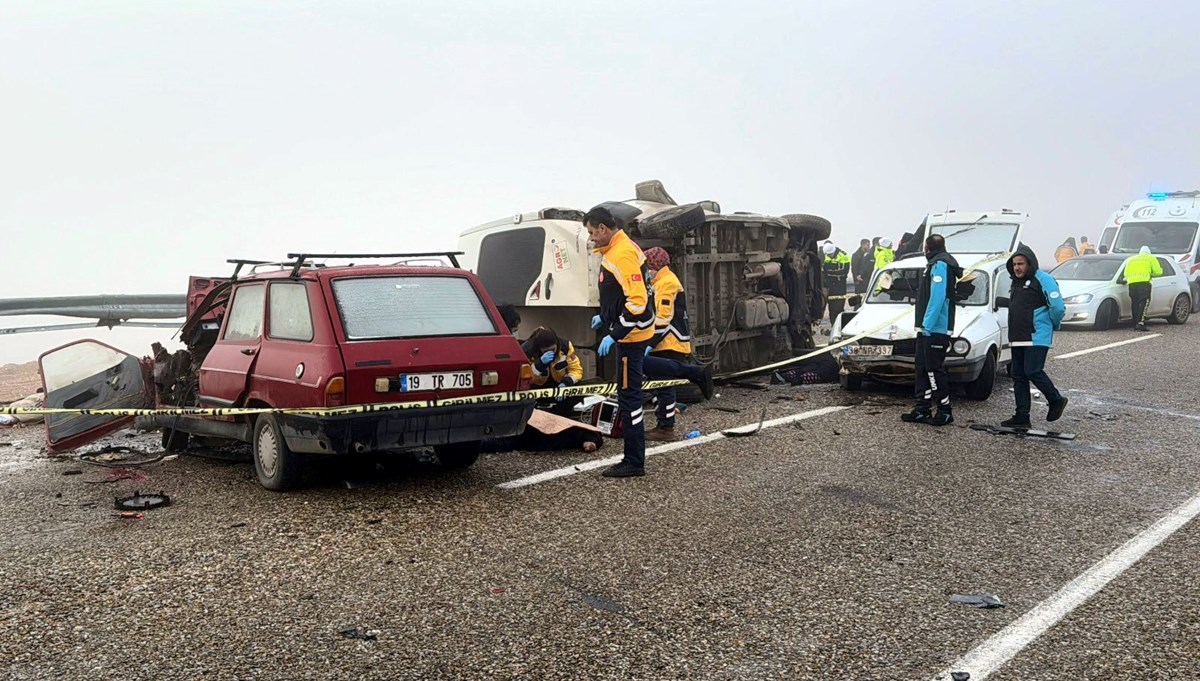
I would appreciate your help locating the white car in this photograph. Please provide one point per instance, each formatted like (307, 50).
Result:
(1097, 296)
(981, 242)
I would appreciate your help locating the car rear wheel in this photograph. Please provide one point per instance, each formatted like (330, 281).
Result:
(981, 388)
(851, 382)
(278, 467)
(1106, 316)
(174, 440)
(1181, 310)
(459, 455)
(672, 222)
(814, 225)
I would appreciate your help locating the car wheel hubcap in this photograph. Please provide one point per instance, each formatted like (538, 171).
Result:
(1181, 308)
(268, 452)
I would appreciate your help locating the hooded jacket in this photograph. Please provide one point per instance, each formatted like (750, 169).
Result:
(1035, 305)
(935, 299)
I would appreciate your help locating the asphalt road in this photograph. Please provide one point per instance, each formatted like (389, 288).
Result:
(826, 548)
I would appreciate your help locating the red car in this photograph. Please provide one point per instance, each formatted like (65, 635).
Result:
(299, 335)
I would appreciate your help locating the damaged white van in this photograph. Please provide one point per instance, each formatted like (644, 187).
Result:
(981, 242)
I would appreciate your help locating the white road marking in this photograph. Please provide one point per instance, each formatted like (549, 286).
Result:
(995, 652)
(661, 449)
(1089, 351)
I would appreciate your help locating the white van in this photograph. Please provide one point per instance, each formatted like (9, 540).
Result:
(1167, 222)
(1110, 228)
(981, 242)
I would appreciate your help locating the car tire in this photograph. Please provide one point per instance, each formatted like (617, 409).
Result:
(981, 388)
(815, 226)
(458, 455)
(174, 440)
(1194, 289)
(278, 468)
(1106, 316)
(851, 382)
(672, 222)
(1181, 310)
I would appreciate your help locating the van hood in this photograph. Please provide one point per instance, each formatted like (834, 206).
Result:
(872, 316)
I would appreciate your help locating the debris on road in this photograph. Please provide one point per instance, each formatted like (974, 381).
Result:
(692, 435)
(982, 601)
(142, 502)
(960, 676)
(355, 633)
(130, 515)
(747, 433)
(727, 410)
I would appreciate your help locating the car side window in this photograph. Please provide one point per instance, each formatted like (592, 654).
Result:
(246, 313)
(289, 316)
(1167, 268)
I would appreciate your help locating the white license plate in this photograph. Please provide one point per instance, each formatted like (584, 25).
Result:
(868, 350)
(453, 380)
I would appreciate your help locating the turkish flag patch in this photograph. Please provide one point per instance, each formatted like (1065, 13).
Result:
(636, 277)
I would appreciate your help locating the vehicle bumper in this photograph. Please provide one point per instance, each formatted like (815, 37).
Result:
(901, 369)
(405, 428)
(1079, 315)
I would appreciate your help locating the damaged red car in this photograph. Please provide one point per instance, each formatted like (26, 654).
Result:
(297, 334)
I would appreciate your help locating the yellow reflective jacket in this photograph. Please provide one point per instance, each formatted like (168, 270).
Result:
(566, 367)
(1141, 267)
(672, 331)
(883, 257)
(625, 305)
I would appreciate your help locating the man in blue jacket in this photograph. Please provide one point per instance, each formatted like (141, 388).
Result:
(1035, 311)
(934, 323)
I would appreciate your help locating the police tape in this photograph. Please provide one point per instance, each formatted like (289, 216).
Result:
(492, 398)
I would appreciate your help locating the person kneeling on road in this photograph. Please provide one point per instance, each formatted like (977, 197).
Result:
(934, 321)
(667, 356)
(1035, 311)
(555, 364)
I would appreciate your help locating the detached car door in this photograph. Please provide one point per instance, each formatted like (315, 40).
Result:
(226, 369)
(88, 374)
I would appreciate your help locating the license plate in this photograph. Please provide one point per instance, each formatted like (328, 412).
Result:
(868, 350)
(454, 380)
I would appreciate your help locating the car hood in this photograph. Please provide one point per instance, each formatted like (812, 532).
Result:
(1070, 288)
(872, 316)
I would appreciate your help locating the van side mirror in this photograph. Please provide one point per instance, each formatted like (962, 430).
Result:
(1002, 301)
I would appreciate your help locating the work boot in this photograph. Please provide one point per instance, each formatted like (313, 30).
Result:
(661, 434)
(1057, 409)
(1016, 421)
(917, 415)
(1140, 327)
(943, 417)
(707, 387)
(623, 470)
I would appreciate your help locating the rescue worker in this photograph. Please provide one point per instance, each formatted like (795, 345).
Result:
(836, 267)
(1085, 246)
(627, 321)
(668, 354)
(884, 255)
(554, 361)
(512, 318)
(862, 265)
(1066, 250)
(1103, 249)
(934, 322)
(1139, 270)
(1035, 312)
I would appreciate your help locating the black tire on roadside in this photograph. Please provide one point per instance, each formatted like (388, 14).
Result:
(278, 468)
(672, 222)
(981, 388)
(458, 455)
(174, 440)
(814, 225)
(1180, 310)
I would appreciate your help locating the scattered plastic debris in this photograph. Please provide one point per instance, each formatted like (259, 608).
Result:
(692, 435)
(747, 433)
(73, 472)
(984, 601)
(354, 632)
(727, 410)
(130, 515)
(142, 502)
(960, 676)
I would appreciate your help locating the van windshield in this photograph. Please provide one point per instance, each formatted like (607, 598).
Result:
(374, 308)
(902, 285)
(1163, 238)
(983, 237)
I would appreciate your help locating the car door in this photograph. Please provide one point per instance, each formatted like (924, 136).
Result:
(298, 355)
(88, 374)
(1163, 292)
(1001, 289)
(226, 369)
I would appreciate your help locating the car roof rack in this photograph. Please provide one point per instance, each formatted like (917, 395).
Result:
(298, 260)
(240, 263)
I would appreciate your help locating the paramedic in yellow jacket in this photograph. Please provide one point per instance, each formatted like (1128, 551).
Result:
(627, 321)
(555, 364)
(669, 354)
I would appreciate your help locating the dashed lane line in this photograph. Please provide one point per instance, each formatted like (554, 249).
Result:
(1118, 344)
(566, 471)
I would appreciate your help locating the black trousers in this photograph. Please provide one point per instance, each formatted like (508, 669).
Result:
(1029, 366)
(835, 306)
(933, 383)
(1140, 295)
(629, 395)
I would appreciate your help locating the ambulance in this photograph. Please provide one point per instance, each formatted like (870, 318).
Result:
(1167, 222)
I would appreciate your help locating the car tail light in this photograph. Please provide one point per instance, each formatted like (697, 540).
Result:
(526, 377)
(335, 392)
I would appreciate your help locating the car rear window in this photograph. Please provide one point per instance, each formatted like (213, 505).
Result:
(410, 307)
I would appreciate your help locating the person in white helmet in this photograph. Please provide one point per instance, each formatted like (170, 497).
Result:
(835, 268)
(884, 255)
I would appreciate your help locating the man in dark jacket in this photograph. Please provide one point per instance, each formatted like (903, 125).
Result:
(934, 322)
(1035, 311)
(862, 265)
(835, 268)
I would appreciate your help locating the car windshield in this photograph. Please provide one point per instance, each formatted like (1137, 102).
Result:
(984, 237)
(375, 308)
(1086, 269)
(1161, 237)
(901, 286)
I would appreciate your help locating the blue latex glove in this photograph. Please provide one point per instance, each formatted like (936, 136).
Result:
(647, 351)
(606, 345)
(547, 357)
(925, 333)
(565, 384)
(597, 322)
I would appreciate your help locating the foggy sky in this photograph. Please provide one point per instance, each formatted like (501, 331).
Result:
(142, 142)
